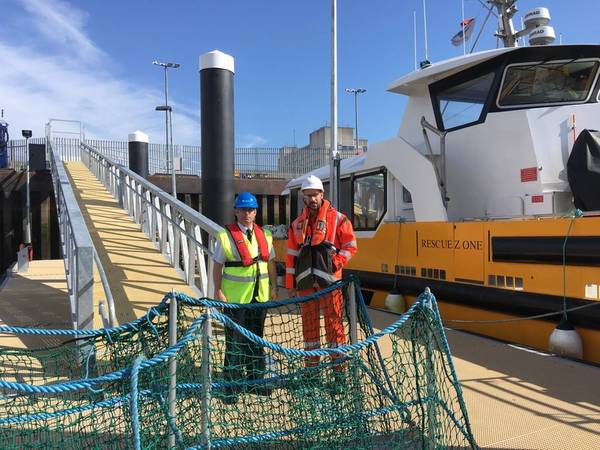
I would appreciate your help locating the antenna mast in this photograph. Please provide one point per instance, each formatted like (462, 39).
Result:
(535, 24)
(425, 30)
(506, 11)
(415, 36)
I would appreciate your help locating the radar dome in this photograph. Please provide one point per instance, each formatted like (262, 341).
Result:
(537, 17)
(542, 35)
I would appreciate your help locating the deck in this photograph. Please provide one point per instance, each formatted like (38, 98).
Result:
(138, 274)
(523, 399)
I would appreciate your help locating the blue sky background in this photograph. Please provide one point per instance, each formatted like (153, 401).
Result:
(91, 61)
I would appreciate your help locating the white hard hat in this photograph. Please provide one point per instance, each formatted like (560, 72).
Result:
(312, 182)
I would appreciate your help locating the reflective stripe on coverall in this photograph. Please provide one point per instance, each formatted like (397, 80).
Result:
(330, 232)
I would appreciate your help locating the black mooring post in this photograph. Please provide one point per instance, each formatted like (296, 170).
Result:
(138, 153)
(216, 120)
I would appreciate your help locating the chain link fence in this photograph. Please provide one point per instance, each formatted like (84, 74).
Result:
(253, 162)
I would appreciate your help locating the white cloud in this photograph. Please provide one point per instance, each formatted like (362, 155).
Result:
(251, 140)
(37, 84)
(59, 22)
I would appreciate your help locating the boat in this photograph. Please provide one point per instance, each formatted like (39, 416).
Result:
(489, 194)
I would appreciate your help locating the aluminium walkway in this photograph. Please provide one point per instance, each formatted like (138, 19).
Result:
(138, 274)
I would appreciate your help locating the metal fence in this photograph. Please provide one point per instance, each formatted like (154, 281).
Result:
(77, 247)
(174, 227)
(253, 162)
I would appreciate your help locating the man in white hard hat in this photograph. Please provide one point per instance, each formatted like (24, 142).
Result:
(321, 241)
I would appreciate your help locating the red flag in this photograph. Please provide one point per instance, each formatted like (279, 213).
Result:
(467, 25)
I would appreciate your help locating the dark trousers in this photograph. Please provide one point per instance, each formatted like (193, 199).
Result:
(243, 358)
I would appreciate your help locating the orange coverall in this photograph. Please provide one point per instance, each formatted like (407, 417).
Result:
(331, 227)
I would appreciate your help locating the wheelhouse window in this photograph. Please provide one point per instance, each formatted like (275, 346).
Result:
(346, 197)
(406, 196)
(369, 193)
(549, 82)
(462, 104)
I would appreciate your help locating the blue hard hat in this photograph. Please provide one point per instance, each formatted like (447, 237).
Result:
(245, 200)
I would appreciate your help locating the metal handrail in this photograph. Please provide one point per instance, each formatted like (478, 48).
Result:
(112, 316)
(76, 246)
(175, 228)
(442, 135)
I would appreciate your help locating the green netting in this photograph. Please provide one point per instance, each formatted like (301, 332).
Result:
(111, 388)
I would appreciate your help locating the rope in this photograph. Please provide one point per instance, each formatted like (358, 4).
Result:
(518, 319)
(11, 420)
(113, 376)
(170, 419)
(373, 388)
(171, 351)
(325, 351)
(131, 326)
(576, 214)
(209, 303)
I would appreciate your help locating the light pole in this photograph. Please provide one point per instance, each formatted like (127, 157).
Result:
(27, 134)
(334, 167)
(356, 91)
(168, 122)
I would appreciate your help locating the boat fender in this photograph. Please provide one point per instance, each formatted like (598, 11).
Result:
(565, 341)
(395, 301)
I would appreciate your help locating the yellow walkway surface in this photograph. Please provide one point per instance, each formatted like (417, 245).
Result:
(37, 298)
(138, 274)
(521, 399)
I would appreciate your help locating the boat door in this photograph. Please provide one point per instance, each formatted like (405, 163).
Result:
(469, 248)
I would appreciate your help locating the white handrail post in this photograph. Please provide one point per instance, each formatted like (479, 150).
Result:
(172, 397)
(206, 379)
(121, 188)
(353, 313)
(191, 255)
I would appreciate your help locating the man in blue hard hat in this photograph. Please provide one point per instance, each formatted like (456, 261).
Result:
(244, 273)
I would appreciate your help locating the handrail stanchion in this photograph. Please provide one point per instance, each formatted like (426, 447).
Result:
(172, 398)
(120, 188)
(112, 316)
(175, 227)
(103, 315)
(353, 315)
(206, 379)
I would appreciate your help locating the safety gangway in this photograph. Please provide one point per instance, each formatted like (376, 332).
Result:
(146, 241)
(124, 243)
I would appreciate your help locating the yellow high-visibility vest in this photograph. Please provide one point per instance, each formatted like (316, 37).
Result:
(238, 282)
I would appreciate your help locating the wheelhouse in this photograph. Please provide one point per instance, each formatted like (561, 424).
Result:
(529, 77)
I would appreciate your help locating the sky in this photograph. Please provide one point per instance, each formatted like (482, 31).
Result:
(91, 61)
